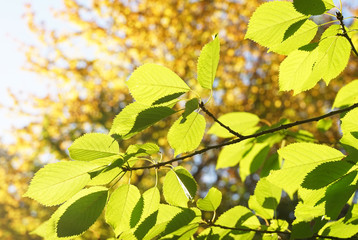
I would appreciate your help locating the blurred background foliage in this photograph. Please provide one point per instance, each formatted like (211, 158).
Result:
(87, 62)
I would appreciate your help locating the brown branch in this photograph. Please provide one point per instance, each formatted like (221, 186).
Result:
(201, 105)
(340, 18)
(267, 231)
(255, 135)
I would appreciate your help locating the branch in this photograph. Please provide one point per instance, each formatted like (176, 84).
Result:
(201, 104)
(237, 140)
(339, 16)
(268, 231)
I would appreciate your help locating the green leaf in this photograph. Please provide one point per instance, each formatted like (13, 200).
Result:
(265, 213)
(324, 125)
(240, 122)
(121, 206)
(105, 176)
(270, 22)
(151, 199)
(136, 117)
(333, 54)
(151, 82)
(179, 187)
(300, 159)
(311, 7)
(350, 125)
(301, 230)
(172, 219)
(93, 146)
(82, 212)
(211, 201)
(339, 193)
(58, 182)
(347, 95)
(185, 134)
(326, 173)
(145, 149)
(190, 106)
(339, 229)
(231, 155)
(267, 195)
(239, 217)
(297, 35)
(296, 71)
(253, 159)
(208, 63)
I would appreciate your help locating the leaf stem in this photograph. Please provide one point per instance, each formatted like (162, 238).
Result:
(340, 18)
(201, 105)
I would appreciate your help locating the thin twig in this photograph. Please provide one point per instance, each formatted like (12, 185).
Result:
(340, 17)
(255, 135)
(201, 105)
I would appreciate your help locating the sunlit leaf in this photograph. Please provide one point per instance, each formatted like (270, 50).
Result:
(300, 159)
(312, 7)
(232, 154)
(211, 201)
(190, 106)
(347, 95)
(350, 125)
(240, 122)
(208, 63)
(179, 187)
(93, 146)
(57, 182)
(270, 21)
(185, 134)
(82, 212)
(151, 82)
(120, 207)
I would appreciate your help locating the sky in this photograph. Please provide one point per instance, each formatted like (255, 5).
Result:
(13, 31)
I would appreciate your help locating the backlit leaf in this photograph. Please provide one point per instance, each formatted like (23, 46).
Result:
(179, 187)
(240, 122)
(58, 182)
(121, 204)
(350, 125)
(185, 134)
(232, 154)
(310, 7)
(82, 212)
(211, 201)
(300, 159)
(208, 63)
(93, 146)
(151, 82)
(347, 95)
(270, 21)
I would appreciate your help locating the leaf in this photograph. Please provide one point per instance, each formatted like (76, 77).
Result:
(82, 212)
(339, 229)
(231, 155)
(136, 117)
(265, 213)
(310, 7)
(348, 126)
(145, 149)
(333, 54)
(347, 95)
(151, 82)
(179, 187)
(120, 207)
(208, 62)
(171, 219)
(93, 146)
(339, 193)
(297, 35)
(185, 134)
(190, 106)
(58, 182)
(296, 71)
(211, 201)
(240, 122)
(253, 159)
(270, 21)
(239, 217)
(326, 173)
(324, 125)
(267, 195)
(105, 176)
(300, 159)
